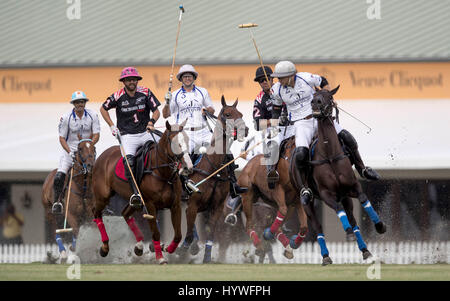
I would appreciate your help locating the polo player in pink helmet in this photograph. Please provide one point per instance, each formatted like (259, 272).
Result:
(133, 105)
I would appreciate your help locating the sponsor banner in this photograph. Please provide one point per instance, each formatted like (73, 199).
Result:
(357, 80)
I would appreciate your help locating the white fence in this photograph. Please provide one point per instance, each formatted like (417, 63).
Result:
(309, 253)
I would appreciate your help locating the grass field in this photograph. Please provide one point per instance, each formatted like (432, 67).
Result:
(231, 272)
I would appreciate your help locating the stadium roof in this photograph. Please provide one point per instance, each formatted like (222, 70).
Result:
(40, 33)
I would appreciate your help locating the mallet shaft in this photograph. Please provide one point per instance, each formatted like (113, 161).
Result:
(247, 25)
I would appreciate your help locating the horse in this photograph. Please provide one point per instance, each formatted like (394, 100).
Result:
(80, 203)
(160, 188)
(234, 231)
(332, 178)
(285, 194)
(229, 127)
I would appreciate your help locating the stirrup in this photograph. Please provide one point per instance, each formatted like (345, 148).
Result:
(305, 196)
(231, 219)
(136, 201)
(57, 208)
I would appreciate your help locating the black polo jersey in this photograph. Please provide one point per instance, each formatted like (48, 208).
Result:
(133, 113)
(262, 108)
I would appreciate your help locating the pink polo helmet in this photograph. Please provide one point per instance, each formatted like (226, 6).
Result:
(129, 72)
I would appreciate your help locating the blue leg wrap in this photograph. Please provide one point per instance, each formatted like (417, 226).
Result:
(195, 232)
(208, 248)
(361, 244)
(344, 220)
(60, 243)
(371, 212)
(322, 244)
(74, 242)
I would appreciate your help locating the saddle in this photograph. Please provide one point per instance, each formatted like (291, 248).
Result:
(141, 158)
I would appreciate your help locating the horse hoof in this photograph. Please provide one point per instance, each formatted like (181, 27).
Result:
(162, 261)
(350, 237)
(268, 235)
(138, 251)
(71, 248)
(366, 254)
(103, 253)
(380, 227)
(194, 249)
(207, 259)
(260, 252)
(63, 257)
(288, 252)
(231, 219)
(326, 261)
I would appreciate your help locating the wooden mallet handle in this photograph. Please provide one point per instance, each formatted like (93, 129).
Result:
(247, 25)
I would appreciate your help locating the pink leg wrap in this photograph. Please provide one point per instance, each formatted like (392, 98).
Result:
(282, 238)
(157, 246)
(300, 238)
(254, 238)
(101, 228)
(134, 228)
(277, 223)
(172, 247)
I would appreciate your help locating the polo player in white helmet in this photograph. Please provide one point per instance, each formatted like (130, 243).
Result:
(296, 90)
(191, 102)
(77, 124)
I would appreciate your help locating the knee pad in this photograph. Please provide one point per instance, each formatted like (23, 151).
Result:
(59, 178)
(348, 139)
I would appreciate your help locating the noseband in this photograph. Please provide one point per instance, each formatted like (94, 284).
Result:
(81, 158)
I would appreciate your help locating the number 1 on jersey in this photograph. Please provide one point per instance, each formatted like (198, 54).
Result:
(135, 118)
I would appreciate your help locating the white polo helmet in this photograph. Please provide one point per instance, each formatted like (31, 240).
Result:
(186, 69)
(283, 69)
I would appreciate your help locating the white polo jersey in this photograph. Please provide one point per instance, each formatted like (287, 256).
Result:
(188, 105)
(70, 126)
(298, 99)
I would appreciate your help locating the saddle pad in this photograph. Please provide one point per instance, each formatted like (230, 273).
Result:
(120, 170)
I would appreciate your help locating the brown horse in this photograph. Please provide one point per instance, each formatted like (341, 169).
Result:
(160, 187)
(284, 195)
(229, 127)
(333, 176)
(79, 209)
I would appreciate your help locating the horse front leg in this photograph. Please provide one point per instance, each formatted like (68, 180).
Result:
(247, 206)
(348, 205)
(97, 212)
(380, 227)
(296, 240)
(210, 229)
(175, 214)
(156, 235)
(127, 213)
(320, 236)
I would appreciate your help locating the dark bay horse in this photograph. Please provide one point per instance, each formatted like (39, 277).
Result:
(160, 187)
(229, 127)
(80, 201)
(284, 195)
(333, 177)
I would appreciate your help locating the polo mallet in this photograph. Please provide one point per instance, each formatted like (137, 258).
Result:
(146, 215)
(175, 49)
(370, 129)
(64, 230)
(244, 153)
(249, 26)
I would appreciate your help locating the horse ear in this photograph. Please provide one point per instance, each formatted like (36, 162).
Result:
(235, 103)
(168, 125)
(222, 100)
(335, 90)
(184, 123)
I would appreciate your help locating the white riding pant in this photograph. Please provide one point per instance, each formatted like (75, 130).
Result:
(65, 160)
(306, 129)
(198, 138)
(131, 142)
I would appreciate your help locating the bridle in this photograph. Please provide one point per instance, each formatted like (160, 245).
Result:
(83, 160)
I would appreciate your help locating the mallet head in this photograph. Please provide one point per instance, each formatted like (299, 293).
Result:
(247, 25)
(182, 8)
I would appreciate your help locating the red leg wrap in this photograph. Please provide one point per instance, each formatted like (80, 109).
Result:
(101, 228)
(134, 228)
(172, 247)
(254, 238)
(282, 238)
(158, 251)
(300, 238)
(277, 223)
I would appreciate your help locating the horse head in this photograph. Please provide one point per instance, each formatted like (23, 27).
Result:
(232, 121)
(178, 147)
(85, 155)
(322, 103)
